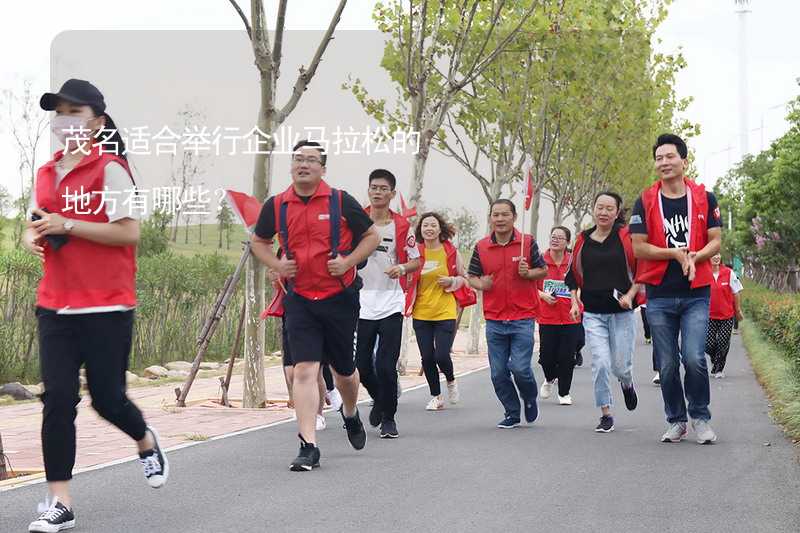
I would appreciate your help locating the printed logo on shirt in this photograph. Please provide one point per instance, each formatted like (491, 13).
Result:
(717, 214)
(430, 266)
(324, 216)
(636, 219)
(676, 230)
(411, 241)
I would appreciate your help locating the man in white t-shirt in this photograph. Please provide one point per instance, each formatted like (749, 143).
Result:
(382, 301)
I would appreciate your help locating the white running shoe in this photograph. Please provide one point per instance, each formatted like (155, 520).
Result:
(436, 404)
(657, 379)
(321, 423)
(565, 400)
(336, 399)
(452, 392)
(547, 389)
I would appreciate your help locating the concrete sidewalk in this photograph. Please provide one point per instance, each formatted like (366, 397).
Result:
(99, 442)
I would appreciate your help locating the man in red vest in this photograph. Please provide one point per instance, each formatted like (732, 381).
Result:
(322, 304)
(382, 301)
(676, 229)
(510, 302)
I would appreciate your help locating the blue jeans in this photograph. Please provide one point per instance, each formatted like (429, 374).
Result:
(510, 353)
(688, 317)
(611, 338)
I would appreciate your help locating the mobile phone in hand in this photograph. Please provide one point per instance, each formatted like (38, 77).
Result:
(55, 241)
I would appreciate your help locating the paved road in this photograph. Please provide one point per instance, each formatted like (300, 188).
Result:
(452, 471)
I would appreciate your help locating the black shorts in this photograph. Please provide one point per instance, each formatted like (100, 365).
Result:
(285, 350)
(323, 330)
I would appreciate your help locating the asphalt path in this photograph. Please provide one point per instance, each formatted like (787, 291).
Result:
(454, 471)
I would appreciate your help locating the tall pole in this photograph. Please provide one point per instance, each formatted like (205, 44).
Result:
(744, 127)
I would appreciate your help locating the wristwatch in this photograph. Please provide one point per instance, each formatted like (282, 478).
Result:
(68, 225)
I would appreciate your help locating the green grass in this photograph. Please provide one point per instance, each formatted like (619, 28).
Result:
(210, 242)
(777, 376)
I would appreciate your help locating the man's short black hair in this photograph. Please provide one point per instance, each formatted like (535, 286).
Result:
(383, 174)
(323, 157)
(671, 138)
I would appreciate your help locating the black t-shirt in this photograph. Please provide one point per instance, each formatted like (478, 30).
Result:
(604, 269)
(357, 219)
(676, 224)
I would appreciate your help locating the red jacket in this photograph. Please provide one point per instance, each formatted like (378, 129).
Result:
(402, 240)
(722, 298)
(511, 297)
(454, 269)
(310, 242)
(83, 273)
(558, 313)
(652, 272)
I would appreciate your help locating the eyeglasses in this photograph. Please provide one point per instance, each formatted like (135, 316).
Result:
(379, 188)
(311, 160)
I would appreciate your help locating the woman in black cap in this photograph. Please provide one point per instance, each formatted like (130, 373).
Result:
(87, 295)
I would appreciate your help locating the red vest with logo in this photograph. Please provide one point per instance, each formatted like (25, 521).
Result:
(310, 242)
(402, 240)
(722, 303)
(83, 273)
(452, 270)
(511, 297)
(652, 272)
(558, 313)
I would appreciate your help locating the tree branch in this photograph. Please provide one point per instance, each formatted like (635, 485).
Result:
(243, 17)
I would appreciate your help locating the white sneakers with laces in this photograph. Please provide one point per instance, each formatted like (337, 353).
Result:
(452, 392)
(436, 404)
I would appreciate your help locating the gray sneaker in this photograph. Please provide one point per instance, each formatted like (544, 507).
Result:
(703, 432)
(676, 433)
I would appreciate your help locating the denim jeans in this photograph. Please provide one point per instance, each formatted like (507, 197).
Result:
(510, 353)
(611, 338)
(687, 317)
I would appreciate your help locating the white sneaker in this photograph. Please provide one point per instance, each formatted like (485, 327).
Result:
(547, 389)
(703, 432)
(565, 400)
(718, 375)
(436, 404)
(336, 399)
(321, 423)
(657, 379)
(452, 392)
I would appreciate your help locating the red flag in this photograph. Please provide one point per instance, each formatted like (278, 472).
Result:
(529, 189)
(246, 207)
(405, 210)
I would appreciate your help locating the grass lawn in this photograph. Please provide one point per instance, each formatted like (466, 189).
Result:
(210, 244)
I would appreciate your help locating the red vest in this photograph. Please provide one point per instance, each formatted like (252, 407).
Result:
(310, 242)
(401, 241)
(557, 313)
(413, 285)
(511, 297)
(722, 305)
(652, 272)
(83, 273)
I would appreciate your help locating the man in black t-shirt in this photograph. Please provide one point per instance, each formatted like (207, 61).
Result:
(676, 229)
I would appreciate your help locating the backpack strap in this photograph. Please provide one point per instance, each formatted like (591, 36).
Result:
(335, 210)
(283, 227)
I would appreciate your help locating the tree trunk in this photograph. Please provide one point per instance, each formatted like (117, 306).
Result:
(219, 245)
(254, 394)
(473, 347)
(200, 233)
(536, 201)
(2, 460)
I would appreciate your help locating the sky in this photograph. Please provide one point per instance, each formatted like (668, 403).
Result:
(705, 31)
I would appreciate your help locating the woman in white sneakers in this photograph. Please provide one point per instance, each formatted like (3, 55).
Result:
(431, 301)
(86, 298)
(724, 309)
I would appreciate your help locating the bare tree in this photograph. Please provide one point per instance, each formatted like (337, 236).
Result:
(268, 55)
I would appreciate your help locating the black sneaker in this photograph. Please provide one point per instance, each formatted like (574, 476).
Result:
(531, 410)
(375, 415)
(606, 424)
(355, 430)
(631, 400)
(579, 359)
(508, 423)
(307, 459)
(155, 463)
(56, 518)
(389, 429)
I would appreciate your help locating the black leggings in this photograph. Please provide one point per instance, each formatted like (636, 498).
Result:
(435, 340)
(557, 347)
(101, 342)
(380, 378)
(645, 323)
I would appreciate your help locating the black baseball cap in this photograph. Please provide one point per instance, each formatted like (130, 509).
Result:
(77, 92)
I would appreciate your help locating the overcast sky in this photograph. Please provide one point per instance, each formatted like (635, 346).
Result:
(705, 30)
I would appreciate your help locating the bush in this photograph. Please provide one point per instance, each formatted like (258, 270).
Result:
(175, 295)
(777, 316)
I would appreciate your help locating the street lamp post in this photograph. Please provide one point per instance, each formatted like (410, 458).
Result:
(744, 128)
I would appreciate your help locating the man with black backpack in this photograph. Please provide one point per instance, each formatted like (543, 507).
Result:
(324, 234)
